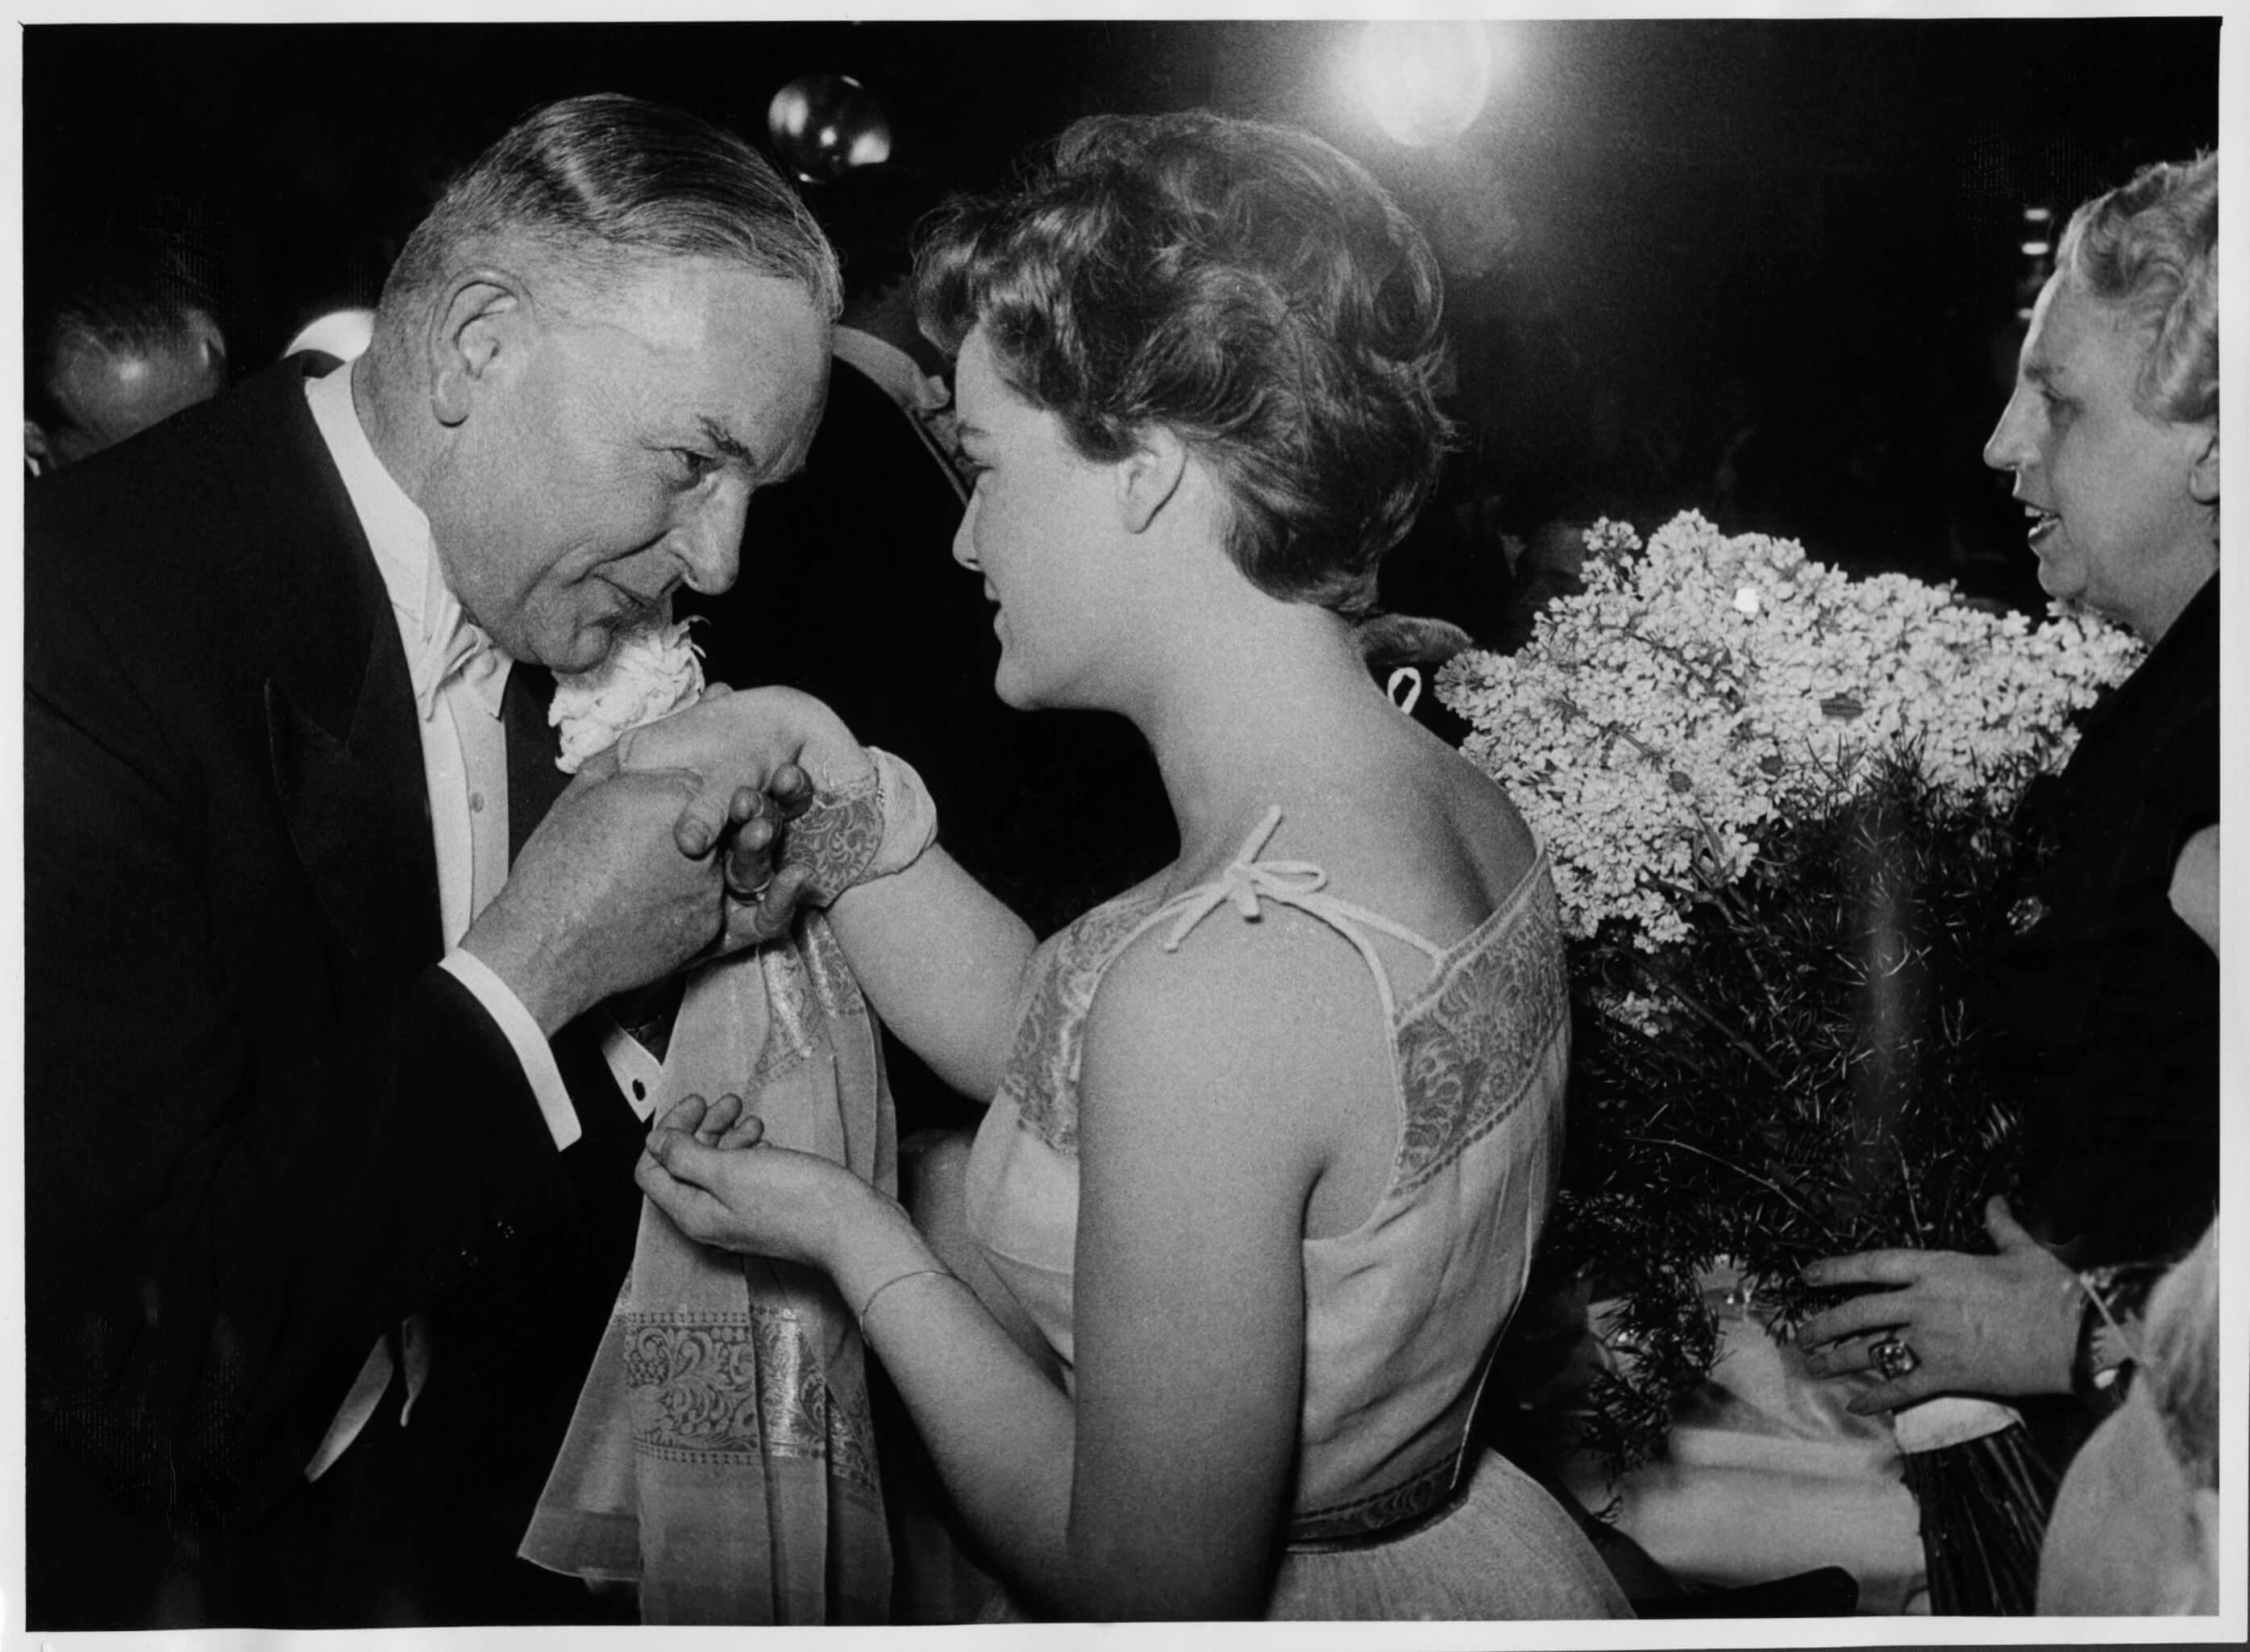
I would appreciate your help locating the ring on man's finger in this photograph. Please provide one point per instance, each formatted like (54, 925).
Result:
(1893, 1357)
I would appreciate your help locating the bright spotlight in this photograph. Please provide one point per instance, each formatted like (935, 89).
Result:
(343, 334)
(2037, 248)
(2037, 215)
(823, 125)
(1424, 82)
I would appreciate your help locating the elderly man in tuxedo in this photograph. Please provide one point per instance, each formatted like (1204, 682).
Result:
(328, 1184)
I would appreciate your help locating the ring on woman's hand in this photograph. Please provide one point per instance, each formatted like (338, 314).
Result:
(1893, 1357)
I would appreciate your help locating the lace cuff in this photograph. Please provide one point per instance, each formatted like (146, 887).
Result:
(872, 828)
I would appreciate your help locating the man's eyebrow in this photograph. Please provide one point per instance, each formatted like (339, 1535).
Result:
(727, 442)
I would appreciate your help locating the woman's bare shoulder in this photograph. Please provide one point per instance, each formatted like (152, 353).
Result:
(1243, 1014)
(1429, 842)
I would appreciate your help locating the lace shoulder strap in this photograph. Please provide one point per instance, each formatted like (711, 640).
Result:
(1247, 880)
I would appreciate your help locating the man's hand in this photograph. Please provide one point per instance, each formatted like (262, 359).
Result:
(2000, 1324)
(741, 745)
(762, 895)
(600, 900)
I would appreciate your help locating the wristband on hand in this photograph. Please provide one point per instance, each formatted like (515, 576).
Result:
(875, 826)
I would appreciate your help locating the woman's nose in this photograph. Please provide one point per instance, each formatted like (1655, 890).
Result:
(2009, 446)
(964, 537)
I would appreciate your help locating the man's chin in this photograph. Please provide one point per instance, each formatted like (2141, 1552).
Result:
(585, 650)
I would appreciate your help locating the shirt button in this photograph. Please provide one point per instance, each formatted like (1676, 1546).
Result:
(640, 1091)
(476, 803)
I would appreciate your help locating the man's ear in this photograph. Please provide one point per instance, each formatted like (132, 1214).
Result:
(482, 314)
(2203, 477)
(1148, 477)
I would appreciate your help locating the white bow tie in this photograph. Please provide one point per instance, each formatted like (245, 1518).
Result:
(461, 649)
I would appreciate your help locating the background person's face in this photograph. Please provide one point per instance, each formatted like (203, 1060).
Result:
(612, 460)
(2114, 525)
(105, 396)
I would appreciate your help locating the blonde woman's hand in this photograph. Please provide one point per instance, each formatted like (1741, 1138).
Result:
(2001, 1324)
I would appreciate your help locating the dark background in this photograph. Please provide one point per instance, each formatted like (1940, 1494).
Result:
(1769, 268)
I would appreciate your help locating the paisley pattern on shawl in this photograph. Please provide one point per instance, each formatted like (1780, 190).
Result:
(827, 974)
(1463, 1063)
(723, 1455)
(748, 1385)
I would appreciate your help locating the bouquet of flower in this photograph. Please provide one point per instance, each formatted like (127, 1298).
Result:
(1779, 806)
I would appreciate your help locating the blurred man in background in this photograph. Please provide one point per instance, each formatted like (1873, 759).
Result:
(111, 353)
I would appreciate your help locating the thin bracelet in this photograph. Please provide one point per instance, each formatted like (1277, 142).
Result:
(911, 1272)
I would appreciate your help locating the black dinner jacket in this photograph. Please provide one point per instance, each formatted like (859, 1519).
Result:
(260, 1124)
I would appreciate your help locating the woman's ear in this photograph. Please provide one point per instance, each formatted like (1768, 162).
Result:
(481, 310)
(2203, 477)
(1149, 477)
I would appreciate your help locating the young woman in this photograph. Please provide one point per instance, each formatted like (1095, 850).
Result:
(1273, 1134)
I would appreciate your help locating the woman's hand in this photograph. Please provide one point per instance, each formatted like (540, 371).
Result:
(2000, 1324)
(2195, 885)
(707, 1168)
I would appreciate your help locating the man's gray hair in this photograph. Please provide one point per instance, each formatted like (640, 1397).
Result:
(606, 183)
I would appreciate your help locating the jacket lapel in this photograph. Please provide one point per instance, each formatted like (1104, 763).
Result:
(359, 817)
(340, 723)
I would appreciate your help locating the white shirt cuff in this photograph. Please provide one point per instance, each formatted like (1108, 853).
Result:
(524, 1037)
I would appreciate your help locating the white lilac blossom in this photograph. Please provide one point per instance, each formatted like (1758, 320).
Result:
(1655, 726)
(650, 671)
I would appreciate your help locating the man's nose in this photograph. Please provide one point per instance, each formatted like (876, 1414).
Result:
(709, 543)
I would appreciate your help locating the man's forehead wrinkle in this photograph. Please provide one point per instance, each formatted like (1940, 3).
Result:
(727, 442)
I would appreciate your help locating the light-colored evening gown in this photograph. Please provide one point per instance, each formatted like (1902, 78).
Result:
(1397, 1513)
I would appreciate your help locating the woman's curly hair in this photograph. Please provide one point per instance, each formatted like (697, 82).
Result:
(1247, 288)
(2150, 247)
